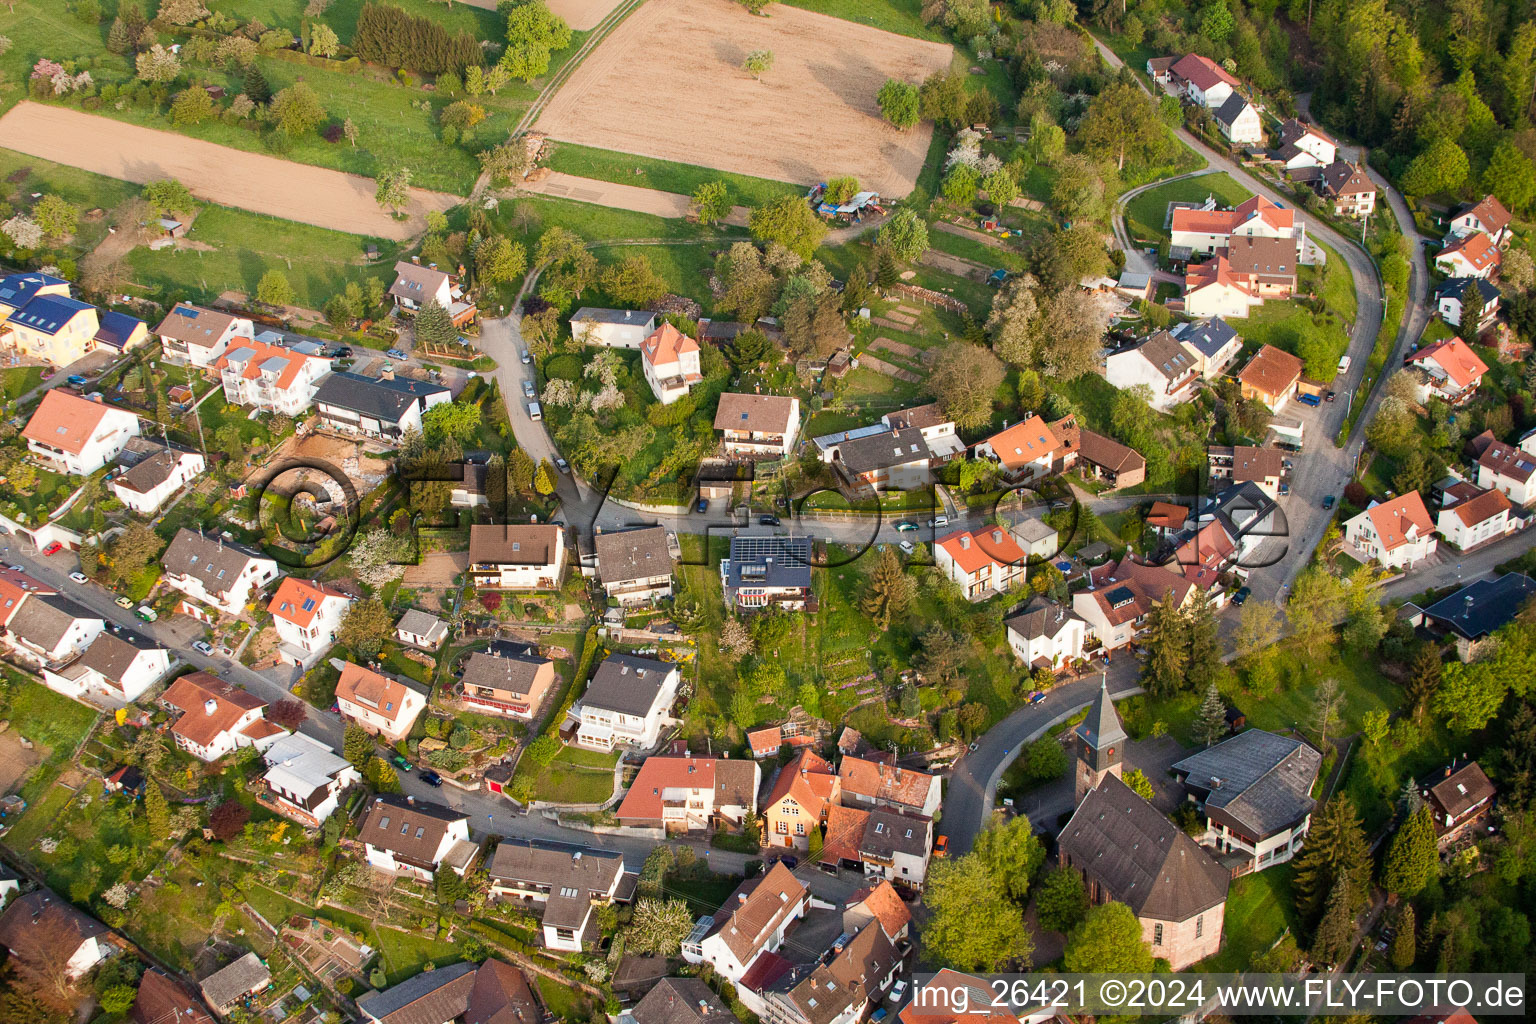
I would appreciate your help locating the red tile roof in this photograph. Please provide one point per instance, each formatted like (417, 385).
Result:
(666, 345)
(1392, 519)
(1167, 515)
(1023, 443)
(808, 779)
(731, 781)
(1271, 370)
(1456, 358)
(200, 723)
(14, 588)
(298, 601)
(1202, 72)
(885, 903)
(764, 742)
(1206, 555)
(1482, 507)
(845, 831)
(292, 361)
(1477, 249)
(1490, 213)
(380, 694)
(64, 421)
(974, 549)
(884, 782)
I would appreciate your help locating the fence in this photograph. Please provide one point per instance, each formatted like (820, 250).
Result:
(929, 297)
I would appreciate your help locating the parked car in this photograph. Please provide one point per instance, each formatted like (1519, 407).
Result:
(526, 357)
(79, 577)
(938, 521)
(123, 602)
(1285, 489)
(941, 846)
(1241, 596)
(76, 380)
(345, 352)
(907, 546)
(1037, 696)
(898, 990)
(1328, 502)
(906, 526)
(768, 520)
(431, 778)
(146, 613)
(1343, 364)
(702, 506)
(534, 411)
(395, 353)
(563, 466)
(17, 568)
(401, 762)
(791, 862)
(1311, 400)
(1328, 397)
(203, 647)
(52, 548)
(528, 389)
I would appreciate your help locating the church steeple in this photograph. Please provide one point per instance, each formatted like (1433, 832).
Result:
(1101, 739)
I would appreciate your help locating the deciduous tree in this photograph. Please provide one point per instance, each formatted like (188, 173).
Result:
(157, 64)
(1136, 780)
(973, 925)
(633, 282)
(55, 216)
(965, 379)
(168, 196)
(758, 63)
(1061, 900)
(392, 189)
(499, 260)
(658, 927)
(228, 820)
(273, 289)
(905, 235)
(365, 627)
(290, 714)
(899, 103)
(789, 221)
(297, 110)
(533, 35)
(713, 201)
(1108, 941)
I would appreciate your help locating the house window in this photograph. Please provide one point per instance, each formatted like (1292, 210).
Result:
(783, 828)
(799, 828)
(1199, 926)
(1157, 935)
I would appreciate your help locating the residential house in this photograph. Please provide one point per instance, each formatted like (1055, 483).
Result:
(758, 426)
(1255, 791)
(564, 882)
(227, 987)
(1025, 452)
(1036, 538)
(1504, 467)
(1264, 267)
(1046, 635)
(1097, 456)
(635, 566)
(873, 783)
(512, 685)
(521, 557)
(1163, 363)
(895, 847)
(683, 794)
(612, 328)
(307, 615)
(1487, 216)
(48, 939)
(75, 435)
(1237, 464)
(154, 472)
(407, 837)
(626, 703)
(881, 903)
(1476, 520)
(49, 629)
(670, 362)
(893, 460)
(17, 290)
(270, 377)
(1473, 255)
(214, 572)
(1238, 120)
(382, 705)
(1348, 188)
(305, 778)
(982, 563)
(1167, 519)
(490, 992)
(1160, 69)
(164, 1000)
(1248, 516)
(766, 570)
(854, 977)
(677, 1001)
(1397, 532)
(1460, 799)
(1305, 147)
(1479, 609)
(417, 628)
(1452, 370)
(1121, 594)
(216, 716)
(1213, 289)
(936, 426)
(15, 587)
(1127, 851)
(198, 336)
(1204, 82)
(384, 407)
(1449, 296)
(115, 668)
(1205, 229)
(802, 793)
(1204, 555)
(416, 286)
(1271, 377)
(52, 327)
(752, 922)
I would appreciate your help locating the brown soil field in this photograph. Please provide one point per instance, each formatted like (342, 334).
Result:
(219, 174)
(579, 14)
(668, 84)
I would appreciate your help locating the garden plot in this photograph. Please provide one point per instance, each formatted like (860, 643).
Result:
(668, 84)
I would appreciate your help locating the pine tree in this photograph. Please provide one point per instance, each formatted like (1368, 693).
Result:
(1336, 932)
(1412, 857)
(1471, 311)
(1211, 722)
(1335, 848)
(434, 327)
(357, 746)
(157, 811)
(1423, 679)
(889, 590)
(1204, 647)
(1405, 944)
(1167, 649)
(1409, 797)
(382, 777)
(256, 85)
(119, 40)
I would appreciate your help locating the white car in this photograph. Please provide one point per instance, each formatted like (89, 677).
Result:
(203, 647)
(534, 412)
(79, 577)
(907, 546)
(897, 991)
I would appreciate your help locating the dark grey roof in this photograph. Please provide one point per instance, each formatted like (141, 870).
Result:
(883, 451)
(147, 474)
(44, 619)
(1102, 727)
(1042, 619)
(111, 654)
(627, 684)
(1163, 351)
(759, 560)
(384, 400)
(1228, 112)
(411, 830)
(1482, 606)
(1262, 782)
(1457, 285)
(888, 832)
(625, 555)
(418, 997)
(205, 558)
(570, 873)
(592, 314)
(1139, 857)
(512, 673)
(1207, 336)
(234, 980)
(676, 1001)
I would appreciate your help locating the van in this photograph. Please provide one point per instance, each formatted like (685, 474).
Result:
(534, 412)
(1344, 364)
(146, 613)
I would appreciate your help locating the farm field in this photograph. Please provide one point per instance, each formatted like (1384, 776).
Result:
(668, 84)
(229, 177)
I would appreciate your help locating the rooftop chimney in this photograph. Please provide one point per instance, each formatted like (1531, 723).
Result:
(965, 542)
(389, 373)
(416, 260)
(210, 706)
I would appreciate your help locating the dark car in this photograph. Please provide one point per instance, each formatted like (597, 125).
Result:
(431, 778)
(1241, 596)
(1328, 502)
(790, 862)
(702, 506)
(345, 352)
(1328, 397)
(768, 520)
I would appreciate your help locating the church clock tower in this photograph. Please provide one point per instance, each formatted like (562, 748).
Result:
(1100, 743)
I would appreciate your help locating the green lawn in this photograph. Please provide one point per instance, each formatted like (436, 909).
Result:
(685, 267)
(564, 1001)
(18, 380)
(44, 716)
(664, 175)
(46, 28)
(85, 190)
(576, 777)
(316, 261)
(1259, 910)
(40, 815)
(904, 17)
(341, 15)
(406, 955)
(1145, 214)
